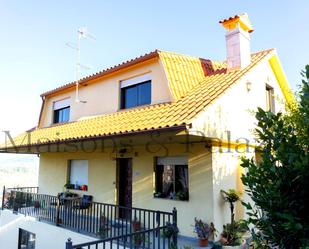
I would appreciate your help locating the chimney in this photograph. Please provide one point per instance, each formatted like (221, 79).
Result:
(238, 54)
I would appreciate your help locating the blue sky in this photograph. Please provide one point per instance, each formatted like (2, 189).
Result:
(34, 58)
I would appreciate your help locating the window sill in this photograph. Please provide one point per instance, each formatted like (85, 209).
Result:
(78, 189)
(134, 107)
(169, 199)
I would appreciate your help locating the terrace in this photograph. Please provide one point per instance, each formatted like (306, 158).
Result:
(110, 225)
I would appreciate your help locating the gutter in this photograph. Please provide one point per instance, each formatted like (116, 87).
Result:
(91, 138)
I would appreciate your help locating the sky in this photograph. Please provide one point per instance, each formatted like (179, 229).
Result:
(35, 59)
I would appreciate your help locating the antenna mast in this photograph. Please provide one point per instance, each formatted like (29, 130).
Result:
(81, 33)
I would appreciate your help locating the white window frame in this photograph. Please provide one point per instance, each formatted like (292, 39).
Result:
(79, 172)
(135, 80)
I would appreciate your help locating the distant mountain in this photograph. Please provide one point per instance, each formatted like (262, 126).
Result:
(18, 170)
(15, 161)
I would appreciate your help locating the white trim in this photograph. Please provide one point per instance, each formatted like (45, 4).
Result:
(135, 80)
(61, 104)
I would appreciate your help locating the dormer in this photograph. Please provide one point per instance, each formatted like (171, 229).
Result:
(132, 84)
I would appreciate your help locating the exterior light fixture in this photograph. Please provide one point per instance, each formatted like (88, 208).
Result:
(249, 86)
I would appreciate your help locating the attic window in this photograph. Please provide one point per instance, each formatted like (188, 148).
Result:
(61, 111)
(136, 91)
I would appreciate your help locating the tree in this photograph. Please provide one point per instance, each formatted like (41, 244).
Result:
(231, 196)
(279, 183)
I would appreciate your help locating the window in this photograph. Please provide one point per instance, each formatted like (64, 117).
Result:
(26, 240)
(61, 111)
(270, 101)
(78, 175)
(136, 95)
(171, 178)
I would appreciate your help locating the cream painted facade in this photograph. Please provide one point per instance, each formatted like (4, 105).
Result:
(102, 179)
(102, 95)
(231, 117)
(228, 118)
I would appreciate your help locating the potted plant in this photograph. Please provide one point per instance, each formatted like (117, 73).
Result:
(136, 224)
(232, 234)
(69, 186)
(139, 239)
(203, 231)
(170, 230)
(103, 229)
(36, 204)
(182, 195)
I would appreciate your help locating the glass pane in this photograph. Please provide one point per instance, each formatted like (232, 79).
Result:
(26, 240)
(168, 181)
(181, 182)
(65, 114)
(144, 93)
(130, 97)
(56, 116)
(62, 115)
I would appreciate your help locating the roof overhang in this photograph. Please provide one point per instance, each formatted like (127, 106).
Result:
(282, 79)
(159, 136)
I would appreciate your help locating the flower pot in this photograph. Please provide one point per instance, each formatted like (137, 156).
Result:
(136, 226)
(203, 242)
(37, 204)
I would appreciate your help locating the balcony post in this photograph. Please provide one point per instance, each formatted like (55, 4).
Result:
(69, 244)
(175, 226)
(58, 211)
(3, 196)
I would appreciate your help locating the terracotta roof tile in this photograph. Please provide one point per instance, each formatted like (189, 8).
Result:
(194, 92)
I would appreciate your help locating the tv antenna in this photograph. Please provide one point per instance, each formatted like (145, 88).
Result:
(81, 33)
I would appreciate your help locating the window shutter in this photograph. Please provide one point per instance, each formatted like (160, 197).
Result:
(79, 172)
(62, 104)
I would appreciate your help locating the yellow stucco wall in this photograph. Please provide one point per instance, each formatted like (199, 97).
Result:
(234, 110)
(231, 118)
(226, 175)
(103, 96)
(102, 178)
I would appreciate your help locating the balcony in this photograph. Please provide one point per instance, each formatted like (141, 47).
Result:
(107, 223)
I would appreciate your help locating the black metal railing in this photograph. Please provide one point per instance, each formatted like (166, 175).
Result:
(150, 239)
(19, 189)
(24, 189)
(102, 220)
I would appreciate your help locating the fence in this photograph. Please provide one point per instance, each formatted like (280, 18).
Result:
(150, 239)
(103, 220)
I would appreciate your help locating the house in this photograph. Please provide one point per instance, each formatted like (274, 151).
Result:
(161, 131)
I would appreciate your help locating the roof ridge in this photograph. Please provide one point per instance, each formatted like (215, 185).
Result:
(107, 70)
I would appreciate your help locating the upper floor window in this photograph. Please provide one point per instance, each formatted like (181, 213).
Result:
(270, 101)
(136, 91)
(26, 240)
(61, 111)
